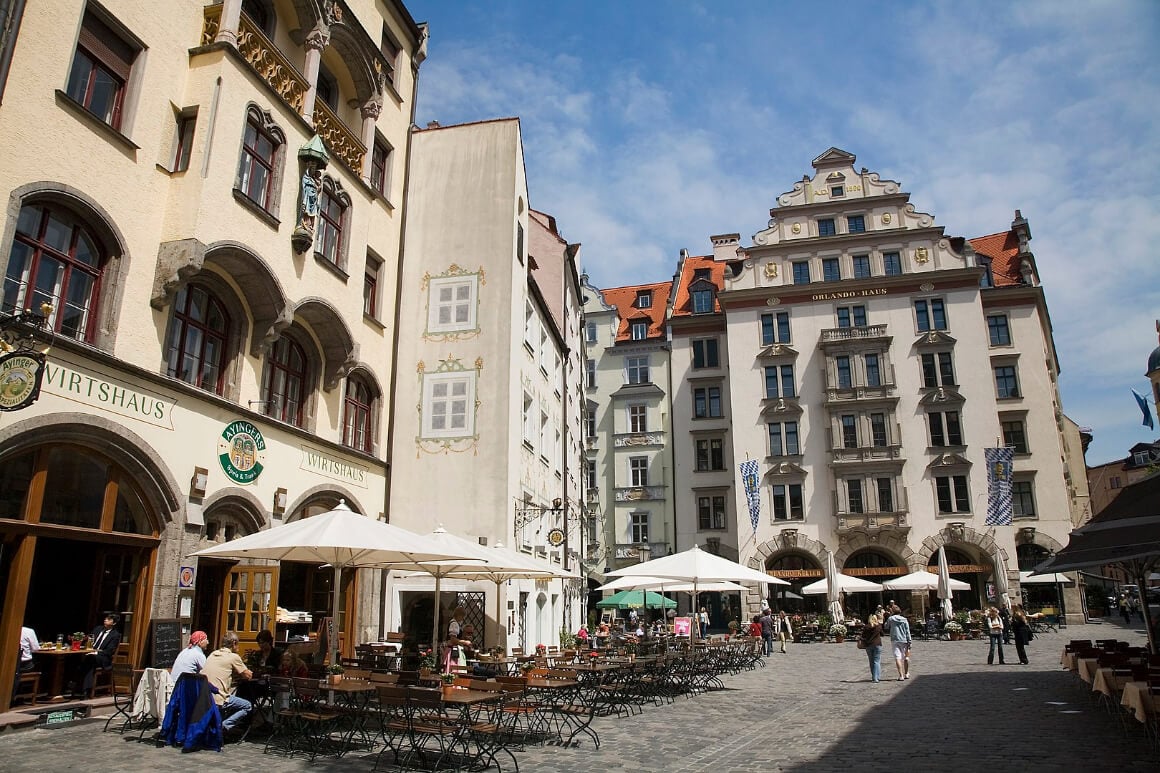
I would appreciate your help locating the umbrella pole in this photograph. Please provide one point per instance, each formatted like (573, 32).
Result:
(498, 623)
(435, 626)
(332, 642)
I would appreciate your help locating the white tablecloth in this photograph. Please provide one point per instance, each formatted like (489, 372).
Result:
(152, 694)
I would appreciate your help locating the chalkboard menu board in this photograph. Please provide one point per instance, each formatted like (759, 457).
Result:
(164, 642)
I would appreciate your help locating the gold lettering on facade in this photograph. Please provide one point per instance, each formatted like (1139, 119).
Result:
(845, 294)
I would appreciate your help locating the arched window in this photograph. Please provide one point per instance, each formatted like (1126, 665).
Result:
(57, 260)
(357, 415)
(261, 14)
(285, 384)
(333, 204)
(1031, 555)
(259, 166)
(198, 337)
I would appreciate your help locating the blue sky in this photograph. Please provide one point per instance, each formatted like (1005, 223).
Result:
(649, 126)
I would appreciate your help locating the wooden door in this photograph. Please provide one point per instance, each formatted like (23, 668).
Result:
(248, 603)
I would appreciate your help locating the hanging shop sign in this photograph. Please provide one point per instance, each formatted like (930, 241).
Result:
(242, 452)
(556, 537)
(20, 376)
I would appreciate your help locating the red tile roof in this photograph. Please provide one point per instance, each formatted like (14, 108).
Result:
(624, 299)
(1003, 251)
(683, 306)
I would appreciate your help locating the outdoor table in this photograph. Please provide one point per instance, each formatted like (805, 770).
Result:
(352, 696)
(468, 727)
(1108, 683)
(56, 658)
(1068, 660)
(1087, 667)
(564, 700)
(1137, 699)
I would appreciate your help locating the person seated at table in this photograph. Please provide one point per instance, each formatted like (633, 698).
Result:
(224, 668)
(291, 666)
(582, 636)
(269, 658)
(603, 634)
(106, 638)
(191, 660)
(28, 645)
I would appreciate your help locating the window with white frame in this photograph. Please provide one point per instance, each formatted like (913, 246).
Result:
(452, 303)
(643, 299)
(1006, 382)
(449, 404)
(710, 512)
(638, 471)
(775, 328)
(638, 523)
(788, 504)
(590, 373)
(702, 300)
(998, 330)
(590, 474)
(529, 411)
(638, 329)
(636, 369)
(783, 438)
(637, 418)
(1023, 499)
(938, 369)
(590, 332)
(545, 446)
(952, 494)
(590, 423)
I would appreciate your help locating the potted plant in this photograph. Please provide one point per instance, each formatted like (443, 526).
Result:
(334, 673)
(527, 667)
(954, 630)
(838, 631)
(426, 663)
(76, 639)
(541, 650)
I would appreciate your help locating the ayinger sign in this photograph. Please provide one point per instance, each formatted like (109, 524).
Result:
(20, 376)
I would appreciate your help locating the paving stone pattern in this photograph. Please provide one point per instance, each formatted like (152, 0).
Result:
(812, 709)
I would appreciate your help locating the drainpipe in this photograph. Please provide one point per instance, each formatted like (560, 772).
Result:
(11, 12)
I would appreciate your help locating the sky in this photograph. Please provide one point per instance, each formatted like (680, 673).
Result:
(649, 126)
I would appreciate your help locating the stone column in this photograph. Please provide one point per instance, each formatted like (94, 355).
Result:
(317, 40)
(231, 19)
(370, 114)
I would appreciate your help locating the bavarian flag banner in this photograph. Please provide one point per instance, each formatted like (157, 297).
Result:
(999, 504)
(749, 471)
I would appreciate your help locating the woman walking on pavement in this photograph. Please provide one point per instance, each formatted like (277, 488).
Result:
(1021, 630)
(900, 641)
(995, 629)
(872, 642)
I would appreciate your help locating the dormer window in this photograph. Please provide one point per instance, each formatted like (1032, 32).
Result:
(644, 299)
(639, 329)
(987, 279)
(702, 301)
(702, 273)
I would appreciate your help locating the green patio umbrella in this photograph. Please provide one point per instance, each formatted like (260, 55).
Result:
(635, 599)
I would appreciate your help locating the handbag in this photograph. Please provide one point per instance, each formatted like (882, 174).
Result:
(861, 644)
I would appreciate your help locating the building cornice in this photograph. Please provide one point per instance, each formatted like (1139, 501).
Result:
(851, 290)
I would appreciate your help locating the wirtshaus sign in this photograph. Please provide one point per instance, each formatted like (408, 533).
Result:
(242, 452)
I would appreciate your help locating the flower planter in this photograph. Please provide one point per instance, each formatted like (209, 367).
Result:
(333, 679)
(840, 639)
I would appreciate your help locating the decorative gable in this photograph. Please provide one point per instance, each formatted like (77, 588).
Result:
(834, 157)
(948, 460)
(786, 469)
(777, 352)
(943, 395)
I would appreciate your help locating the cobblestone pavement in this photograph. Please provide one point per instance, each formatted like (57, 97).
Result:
(812, 709)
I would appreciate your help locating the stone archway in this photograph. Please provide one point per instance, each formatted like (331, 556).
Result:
(787, 540)
(889, 541)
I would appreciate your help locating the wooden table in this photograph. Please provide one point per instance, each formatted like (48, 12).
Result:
(55, 660)
(1138, 700)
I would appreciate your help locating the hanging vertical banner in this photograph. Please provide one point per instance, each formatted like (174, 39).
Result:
(749, 470)
(1000, 508)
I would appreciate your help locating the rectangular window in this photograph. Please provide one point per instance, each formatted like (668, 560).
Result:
(930, 314)
(100, 70)
(448, 400)
(380, 167)
(590, 475)
(702, 301)
(705, 353)
(997, 327)
(639, 329)
(590, 424)
(1022, 499)
(639, 528)
(851, 316)
(861, 266)
(826, 226)
(710, 513)
(952, 495)
(775, 328)
(643, 299)
(787, 502)
(878, 429)
(331, 214)
(1006, 383)
(637, 368)
(520, 243)
(706, 402)
(837, 191)
(885, 495)
(849, 430)
(638, 471)
(371, 275)
(937, 369)
(845, 378)
(451, 303)
(1014, 436)
(183, 145)
(873, 375)
(710, 455)
(637, 418)
(891, 264)
(590, 371)
(855, 224)
(779, 381)
(590, 332)
(801, 272)
(945, 429)
(831, 271)
(783, 439)
(390, 50)
(854, 496)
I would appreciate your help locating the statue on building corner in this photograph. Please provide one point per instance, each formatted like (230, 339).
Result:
(314, 157)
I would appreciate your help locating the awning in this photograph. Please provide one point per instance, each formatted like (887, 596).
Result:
(1027, 578)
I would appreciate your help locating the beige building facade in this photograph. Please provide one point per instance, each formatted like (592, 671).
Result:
(208, 204)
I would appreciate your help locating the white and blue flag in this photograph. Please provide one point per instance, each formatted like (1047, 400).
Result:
(749, 477)
(1000, 507)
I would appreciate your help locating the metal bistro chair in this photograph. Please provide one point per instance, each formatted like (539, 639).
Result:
(124, 688)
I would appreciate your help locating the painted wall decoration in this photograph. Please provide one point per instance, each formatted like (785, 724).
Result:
(448, 407)
(452, 303)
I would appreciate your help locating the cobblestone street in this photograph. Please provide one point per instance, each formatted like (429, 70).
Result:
(812, 709)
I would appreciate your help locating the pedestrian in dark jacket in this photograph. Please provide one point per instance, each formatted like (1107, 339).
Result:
(1021, 628)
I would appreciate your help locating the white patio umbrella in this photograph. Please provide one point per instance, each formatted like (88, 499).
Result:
(339, 537)
(622, 583)
(834, 589)
(922, 580)
(846, 583)
(696, 566)
(506, 564)
(944, 584)
(1002, 589)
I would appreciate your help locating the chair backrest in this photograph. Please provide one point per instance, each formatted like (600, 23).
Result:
(124, 680)
(408, 677)
(518, 681)
(395, 637)
(424, 698)
(379, 678)
(517, 652)
(358, 673)
(561, 673)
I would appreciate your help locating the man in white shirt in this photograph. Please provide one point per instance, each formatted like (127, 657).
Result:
(191, 660)
(28, 645)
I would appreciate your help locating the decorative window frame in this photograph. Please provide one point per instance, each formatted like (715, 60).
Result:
(332, 187)
(432, 441)
(265, 120)
(454, 275)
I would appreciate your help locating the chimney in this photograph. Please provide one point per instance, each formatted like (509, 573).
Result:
(725, 246)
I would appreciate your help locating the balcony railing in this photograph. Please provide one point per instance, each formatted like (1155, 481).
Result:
(634, 439)
(640, 493)
(847, 334)
(592, 496)
(339, 139)
(261, 54)
(633, 551)
(892, 519)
